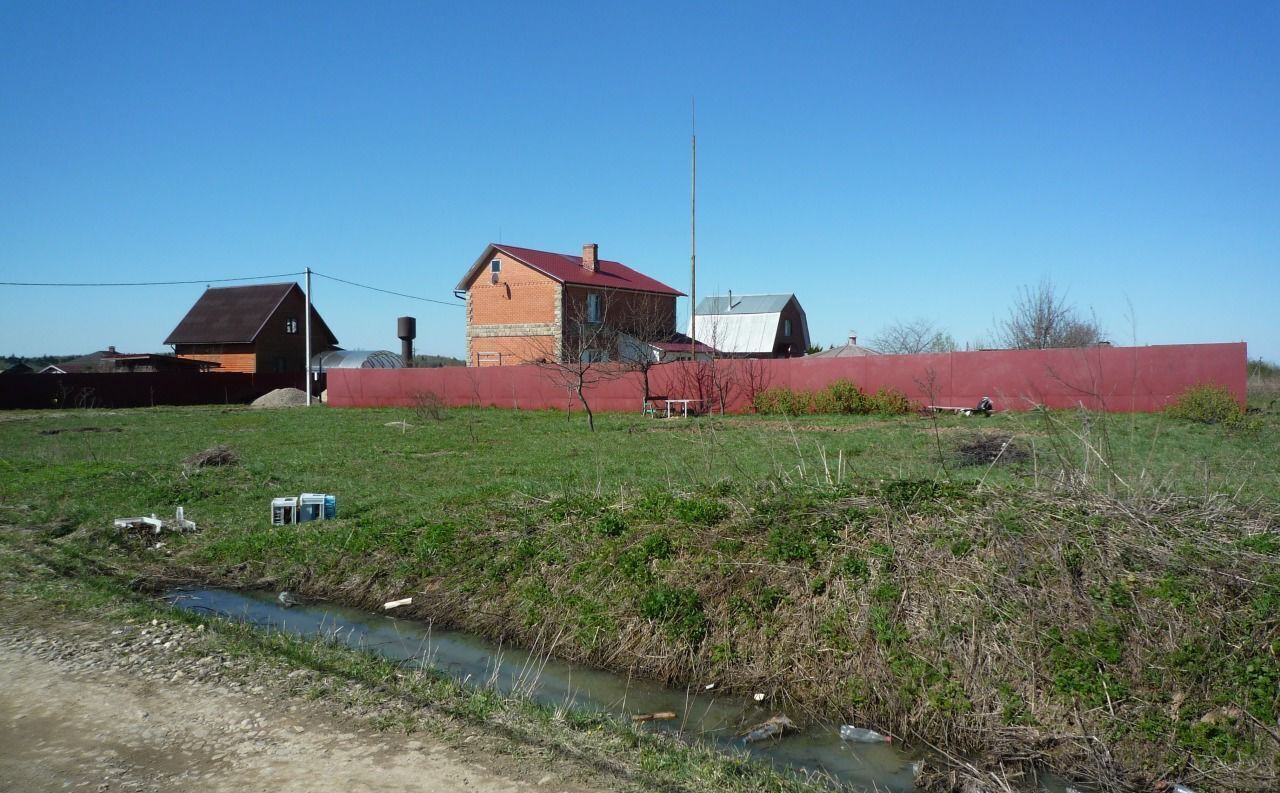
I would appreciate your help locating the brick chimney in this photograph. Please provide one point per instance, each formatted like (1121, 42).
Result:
(591, 257)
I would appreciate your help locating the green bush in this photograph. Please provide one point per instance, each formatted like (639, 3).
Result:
(889, 402)
(782, 401)
(1208, 404)
(843, 396)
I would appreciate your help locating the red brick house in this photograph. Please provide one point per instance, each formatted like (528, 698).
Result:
(256, 328)
(524, 306)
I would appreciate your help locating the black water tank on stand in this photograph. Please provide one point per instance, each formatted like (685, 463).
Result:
(406, 331)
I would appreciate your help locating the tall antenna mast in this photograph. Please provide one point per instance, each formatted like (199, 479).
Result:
(693, 237)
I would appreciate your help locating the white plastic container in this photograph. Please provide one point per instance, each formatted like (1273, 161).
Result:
(284, 511)
(311, 506)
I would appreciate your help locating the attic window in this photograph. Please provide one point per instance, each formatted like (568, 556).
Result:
(786, 328)
(495, 266)
(291, 325)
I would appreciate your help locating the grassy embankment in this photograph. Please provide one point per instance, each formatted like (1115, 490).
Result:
(1106, 604)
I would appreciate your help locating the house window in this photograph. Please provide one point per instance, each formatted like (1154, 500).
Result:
(595, 309)
(595, 356)
(495, 266)
(291, 325)
(786, 328)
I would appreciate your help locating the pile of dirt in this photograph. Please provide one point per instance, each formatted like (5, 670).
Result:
(216, 455)
(281, 398)
(992, 449)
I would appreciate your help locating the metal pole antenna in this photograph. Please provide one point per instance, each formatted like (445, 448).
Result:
(693, 240)
(306, 377)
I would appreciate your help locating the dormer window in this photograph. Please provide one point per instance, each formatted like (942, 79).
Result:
(291, 325)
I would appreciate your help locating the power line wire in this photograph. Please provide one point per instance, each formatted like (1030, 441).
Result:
(223, 281)
(386, 291)
(153, 283)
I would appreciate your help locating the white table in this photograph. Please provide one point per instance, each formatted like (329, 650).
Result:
(684, 406)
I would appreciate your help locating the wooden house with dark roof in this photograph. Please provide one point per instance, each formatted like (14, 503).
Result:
(256, 328)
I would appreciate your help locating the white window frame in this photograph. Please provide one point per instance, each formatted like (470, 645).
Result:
(495, 266)
(291, 326)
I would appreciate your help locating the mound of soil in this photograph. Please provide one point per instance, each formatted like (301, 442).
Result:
(988, 449)
(281, 398)
(216, 455)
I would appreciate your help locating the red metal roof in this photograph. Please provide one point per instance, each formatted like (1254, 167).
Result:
(680, 343)
(567, 269)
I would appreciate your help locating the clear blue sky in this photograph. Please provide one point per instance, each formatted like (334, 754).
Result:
(883, 161)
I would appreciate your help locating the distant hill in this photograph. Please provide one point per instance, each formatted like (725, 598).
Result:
(436, 361)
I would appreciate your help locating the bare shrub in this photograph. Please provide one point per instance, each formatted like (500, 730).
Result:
(428, 405)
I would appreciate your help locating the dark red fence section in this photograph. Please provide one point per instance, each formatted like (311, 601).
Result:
(141, 389)
(1103, 378)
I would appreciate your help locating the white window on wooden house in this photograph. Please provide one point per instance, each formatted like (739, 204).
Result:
(786, 328)
(291, 325)
(595, 309)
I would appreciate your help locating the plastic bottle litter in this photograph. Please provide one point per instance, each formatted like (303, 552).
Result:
(288, 599)
(862, 735)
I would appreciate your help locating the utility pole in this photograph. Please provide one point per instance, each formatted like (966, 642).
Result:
(306, 369)
(693, 238)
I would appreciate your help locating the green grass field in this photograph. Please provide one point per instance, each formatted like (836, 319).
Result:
(1110, 573)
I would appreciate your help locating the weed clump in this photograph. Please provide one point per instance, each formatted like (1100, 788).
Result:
(213, 456)
(679, 608)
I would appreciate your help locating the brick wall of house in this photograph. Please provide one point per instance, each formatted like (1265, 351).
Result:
(638, 313)
(512, 350)
(516, 320)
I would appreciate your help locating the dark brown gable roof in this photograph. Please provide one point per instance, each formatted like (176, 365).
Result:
(236, 315)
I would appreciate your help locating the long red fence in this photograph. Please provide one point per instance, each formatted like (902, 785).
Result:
(1101, 378)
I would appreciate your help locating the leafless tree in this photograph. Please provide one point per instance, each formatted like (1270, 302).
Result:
(649, 319)
(1041, 318)
(586, 353)
(911, 337)
(755, 376)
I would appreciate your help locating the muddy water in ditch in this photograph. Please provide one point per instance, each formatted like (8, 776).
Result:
(702, 714)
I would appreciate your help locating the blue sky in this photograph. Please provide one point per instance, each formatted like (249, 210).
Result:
(882, 161)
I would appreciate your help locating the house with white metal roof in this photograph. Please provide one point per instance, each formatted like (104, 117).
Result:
(752, 326)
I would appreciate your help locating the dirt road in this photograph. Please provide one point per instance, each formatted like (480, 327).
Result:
(76, 714)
